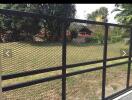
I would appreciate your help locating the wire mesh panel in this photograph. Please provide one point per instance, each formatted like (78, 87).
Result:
(86, 44)
(30, 51)
(26, 49)
(26, 56)
(44, 91)
(118, 42)
(116, 79)
(86, 86)
(131, 76)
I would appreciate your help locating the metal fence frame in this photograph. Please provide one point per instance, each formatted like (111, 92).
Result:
(64, 66)
(0, 80)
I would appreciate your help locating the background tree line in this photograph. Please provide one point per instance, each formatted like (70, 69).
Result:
(31, 26)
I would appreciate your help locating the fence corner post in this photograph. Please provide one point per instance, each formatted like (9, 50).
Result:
(64, 45)
(0, 81)
(104, 61)
(129, 60)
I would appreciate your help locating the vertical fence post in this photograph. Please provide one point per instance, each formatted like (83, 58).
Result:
(0, 80)
(64, 64)
(129, 59)
(104, 61)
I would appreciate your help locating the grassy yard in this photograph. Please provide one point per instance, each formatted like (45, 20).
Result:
(87, 86)
(27, 56)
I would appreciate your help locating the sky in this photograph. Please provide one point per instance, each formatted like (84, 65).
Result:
(83, 9)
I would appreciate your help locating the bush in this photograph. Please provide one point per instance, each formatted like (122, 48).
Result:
(92, 39)
(116, 39)
(100, 37)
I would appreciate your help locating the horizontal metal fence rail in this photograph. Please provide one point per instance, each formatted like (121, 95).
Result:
(31, 14)
(118, 93)
(64, 66)
(25, 84)
(129, 59)
(39, 71)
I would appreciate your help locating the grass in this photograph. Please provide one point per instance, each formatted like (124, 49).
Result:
(26, 56)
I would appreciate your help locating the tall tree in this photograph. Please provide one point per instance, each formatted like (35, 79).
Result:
(124, 15)
(33, 25)
(30, 26)
(62, 10)
(99, 15)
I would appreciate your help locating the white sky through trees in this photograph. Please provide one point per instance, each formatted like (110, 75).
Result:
(83, 9)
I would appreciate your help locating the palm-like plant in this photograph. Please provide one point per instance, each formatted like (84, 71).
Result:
(99, 15)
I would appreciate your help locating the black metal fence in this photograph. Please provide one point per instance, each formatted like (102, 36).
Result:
(65, 66)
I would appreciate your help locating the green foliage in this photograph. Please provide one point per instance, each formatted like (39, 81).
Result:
(99, 33)
(32, 26)
(92, 40)
(17, 24)
(61, 10)
(102, 12)
(116, 39)
(99, 30)
(116, 34)
(124, 14)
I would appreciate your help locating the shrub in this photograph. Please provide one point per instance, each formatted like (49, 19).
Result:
(92, 39)
(116, 39)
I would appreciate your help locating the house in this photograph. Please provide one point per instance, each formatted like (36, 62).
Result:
(83, 34)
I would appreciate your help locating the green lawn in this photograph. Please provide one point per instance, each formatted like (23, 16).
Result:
(26, 56)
